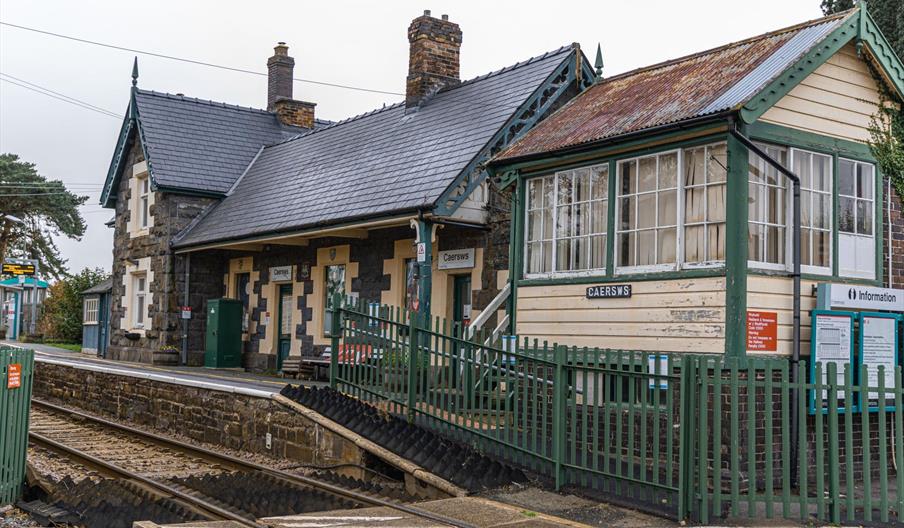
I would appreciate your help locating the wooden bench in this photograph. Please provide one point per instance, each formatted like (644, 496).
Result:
(291, 366)
(318, 364)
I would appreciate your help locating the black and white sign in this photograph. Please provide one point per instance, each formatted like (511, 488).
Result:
(877, 348)
(620, 291)
(456, 259)
(421, 252)
(833, 340)
(853, 297)
(280, 273)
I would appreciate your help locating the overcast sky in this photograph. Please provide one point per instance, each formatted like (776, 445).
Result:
(360, 43)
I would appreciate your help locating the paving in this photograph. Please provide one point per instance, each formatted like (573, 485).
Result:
(223, 379)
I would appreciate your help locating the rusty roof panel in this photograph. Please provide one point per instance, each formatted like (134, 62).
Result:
(693, 86)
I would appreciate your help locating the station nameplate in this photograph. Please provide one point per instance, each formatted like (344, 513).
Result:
(620, 291)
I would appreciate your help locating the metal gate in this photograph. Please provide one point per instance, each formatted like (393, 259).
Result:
(17, 368)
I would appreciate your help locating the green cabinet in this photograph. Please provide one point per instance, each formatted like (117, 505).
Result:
(224, 334)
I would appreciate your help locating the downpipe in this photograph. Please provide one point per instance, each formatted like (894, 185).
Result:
(795, 275)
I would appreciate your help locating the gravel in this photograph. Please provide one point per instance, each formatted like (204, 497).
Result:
(11, 517)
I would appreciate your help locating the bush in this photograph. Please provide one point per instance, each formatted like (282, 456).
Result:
(62, 317)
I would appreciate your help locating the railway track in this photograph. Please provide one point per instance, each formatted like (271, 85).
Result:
(191, 477)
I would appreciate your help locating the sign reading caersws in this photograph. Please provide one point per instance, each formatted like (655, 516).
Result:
(854, 297)
(622, 291)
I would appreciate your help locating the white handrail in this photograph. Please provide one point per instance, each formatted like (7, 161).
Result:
(488, 312)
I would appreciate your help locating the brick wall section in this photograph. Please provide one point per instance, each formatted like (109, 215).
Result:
(171, 213)
(434, 58)
(295, 113)
(897, 239)
(233, 421)
(280, 68)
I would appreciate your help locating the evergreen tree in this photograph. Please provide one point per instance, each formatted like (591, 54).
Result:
(43, 208)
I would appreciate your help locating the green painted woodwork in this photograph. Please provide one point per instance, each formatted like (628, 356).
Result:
(620, 278)
(610, 220)
(14, 410)
(736, 250)
(882, 51)
(223, 344)
(791, 77)
(771, 133)
(425, 236)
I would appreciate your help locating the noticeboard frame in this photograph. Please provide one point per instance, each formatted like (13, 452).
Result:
(897, 356)
(852, 316)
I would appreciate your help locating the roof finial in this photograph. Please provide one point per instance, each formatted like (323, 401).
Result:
(598, 64)
(135, 73)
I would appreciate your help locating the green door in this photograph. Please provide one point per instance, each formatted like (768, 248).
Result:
(461, 299)
(285, 324)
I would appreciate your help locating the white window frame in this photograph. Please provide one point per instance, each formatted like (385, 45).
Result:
(706, 264)
(875, 184)
(144, 200)
(789, 216)
(786, 192)
(554, 218)
(142, 294)
(90, 313)
(679, 212)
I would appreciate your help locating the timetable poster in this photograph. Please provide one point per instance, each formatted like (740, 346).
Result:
(878, 347)
(833, 341)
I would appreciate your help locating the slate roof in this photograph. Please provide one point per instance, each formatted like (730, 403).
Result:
(101, 287)
(199, 145)
(375, 164)
(702, 84)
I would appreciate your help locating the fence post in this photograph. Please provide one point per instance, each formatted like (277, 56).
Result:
(413, 350)
(686, 446)
(335, 331)
(559, 414)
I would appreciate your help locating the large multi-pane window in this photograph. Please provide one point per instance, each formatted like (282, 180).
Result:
(856, 219)
(815, 173)
(648, 211)
(567, 220)
(705, 176)
(767, 209)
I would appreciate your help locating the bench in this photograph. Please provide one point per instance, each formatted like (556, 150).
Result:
(291, 366)
(318, 364)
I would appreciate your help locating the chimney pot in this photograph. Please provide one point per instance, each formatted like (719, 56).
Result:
(434, 54)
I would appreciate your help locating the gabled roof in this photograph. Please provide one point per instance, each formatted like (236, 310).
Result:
(704, 84)
(101, 287)
(195, 145)
(384, 162)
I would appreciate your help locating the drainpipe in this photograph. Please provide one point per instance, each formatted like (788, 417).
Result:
(888, 235)
(795, 274)
(184, 358)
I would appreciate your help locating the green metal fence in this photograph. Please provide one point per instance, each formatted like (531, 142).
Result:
(600, 419)
(17, 368)
(844, 463)
(682, 434)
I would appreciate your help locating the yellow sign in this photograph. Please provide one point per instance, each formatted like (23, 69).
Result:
(14, 268)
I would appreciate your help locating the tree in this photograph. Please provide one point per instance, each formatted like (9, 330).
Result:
(62, 317)
(45, 208)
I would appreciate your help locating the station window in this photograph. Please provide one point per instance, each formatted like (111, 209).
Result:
(567, 220)
(767, 209)
(334, 283)
(705, 176)
(648, 213)
(90, 312)
(856, 218)
(139, 306)
(815, 173)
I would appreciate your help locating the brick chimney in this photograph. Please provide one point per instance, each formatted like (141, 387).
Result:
(280, 69)
(433, 58)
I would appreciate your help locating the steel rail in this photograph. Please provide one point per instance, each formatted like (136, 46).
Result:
(214, 512)
(277, 473)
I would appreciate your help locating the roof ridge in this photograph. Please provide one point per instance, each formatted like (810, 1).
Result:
(207, 102)
(749, 40)
(334, 124)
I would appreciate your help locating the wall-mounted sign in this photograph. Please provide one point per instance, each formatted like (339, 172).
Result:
(455, 259)
(421, 252)
(280, 273)
(304, 271)
(186, 312)
(14, 376)
(620, 291)
(878, 347)
(831, 341)
(853, 297)
(762, 331)
(18, 268)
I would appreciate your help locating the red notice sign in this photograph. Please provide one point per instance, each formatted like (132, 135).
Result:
(14, 376)
(762, 331)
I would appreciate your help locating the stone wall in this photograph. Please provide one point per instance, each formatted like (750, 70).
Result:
(170, 213)
(233, 421)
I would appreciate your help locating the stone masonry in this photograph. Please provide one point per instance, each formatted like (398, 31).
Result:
(434, 56)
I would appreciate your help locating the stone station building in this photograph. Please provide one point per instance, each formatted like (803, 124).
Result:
(280, 209)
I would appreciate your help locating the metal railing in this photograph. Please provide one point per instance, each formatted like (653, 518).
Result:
(17, 368)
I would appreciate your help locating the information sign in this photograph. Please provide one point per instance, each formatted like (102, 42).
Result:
(878, 347)
(762, 331)
(14, 376)
(18, 268)
(832, 341)
(280, 273)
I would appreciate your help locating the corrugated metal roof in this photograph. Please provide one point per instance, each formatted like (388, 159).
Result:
(690, 87)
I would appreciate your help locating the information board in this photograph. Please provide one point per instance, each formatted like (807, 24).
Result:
(762, 331)
(18, 268)
(832, 341)
(14, 376)
(878, 347)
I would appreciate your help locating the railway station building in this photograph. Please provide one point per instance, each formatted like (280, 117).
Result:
(279, 209)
